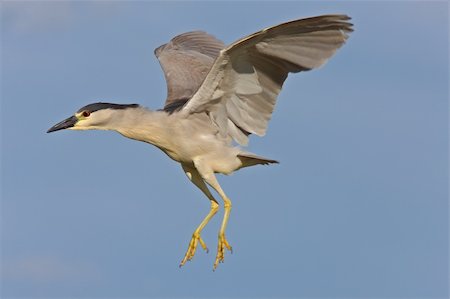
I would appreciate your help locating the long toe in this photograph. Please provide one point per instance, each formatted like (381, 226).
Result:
(221, 246)
(193, 247)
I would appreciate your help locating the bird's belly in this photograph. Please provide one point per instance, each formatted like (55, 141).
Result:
(186, 149)
(221, 157)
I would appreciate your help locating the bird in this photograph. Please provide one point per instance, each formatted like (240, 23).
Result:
(217, 96)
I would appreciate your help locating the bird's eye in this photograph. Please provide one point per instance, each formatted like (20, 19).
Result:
(86, 113)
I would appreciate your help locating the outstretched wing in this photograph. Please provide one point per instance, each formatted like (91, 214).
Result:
(241, 88)
(186, 60)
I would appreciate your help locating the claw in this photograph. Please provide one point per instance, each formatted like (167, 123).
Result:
(202, 243)
(193, 247)
(220, 257)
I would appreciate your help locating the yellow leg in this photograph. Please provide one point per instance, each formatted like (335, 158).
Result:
(196, 238)
(208, 176)
(223, 243)
(195, 177)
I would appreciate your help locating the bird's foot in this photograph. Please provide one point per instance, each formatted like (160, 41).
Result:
(193, 247)
(223, 243)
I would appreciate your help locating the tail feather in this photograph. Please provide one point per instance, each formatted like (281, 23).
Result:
(249, 159)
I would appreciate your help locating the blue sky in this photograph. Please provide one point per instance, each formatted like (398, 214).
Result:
(357, 208)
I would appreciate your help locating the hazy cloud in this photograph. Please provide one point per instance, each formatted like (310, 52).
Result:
(48, 269)
(32, 16)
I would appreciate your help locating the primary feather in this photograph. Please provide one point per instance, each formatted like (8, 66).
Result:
(186, 60)
(238, 86)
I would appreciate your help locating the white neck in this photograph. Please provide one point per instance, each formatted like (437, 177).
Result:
(142, 124)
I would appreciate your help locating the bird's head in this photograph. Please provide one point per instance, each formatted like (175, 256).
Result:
(97, 116)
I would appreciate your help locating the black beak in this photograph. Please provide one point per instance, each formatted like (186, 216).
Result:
(67, 123)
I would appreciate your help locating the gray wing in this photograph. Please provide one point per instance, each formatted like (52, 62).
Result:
(240, 91)
(186, 60)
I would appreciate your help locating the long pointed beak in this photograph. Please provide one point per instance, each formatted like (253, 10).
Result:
(67, 123)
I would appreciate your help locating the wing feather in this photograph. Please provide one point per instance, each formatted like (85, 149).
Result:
(186, 60)
(240, 91)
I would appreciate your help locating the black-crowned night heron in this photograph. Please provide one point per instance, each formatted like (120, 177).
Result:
(218, 95)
